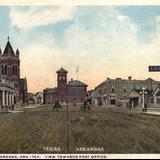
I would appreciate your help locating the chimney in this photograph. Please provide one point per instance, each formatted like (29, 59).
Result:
(118, 78)
(71, 79)
(129, 78)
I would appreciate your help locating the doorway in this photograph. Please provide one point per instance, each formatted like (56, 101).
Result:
(113, 102)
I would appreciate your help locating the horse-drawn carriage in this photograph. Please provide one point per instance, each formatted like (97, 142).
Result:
(86, 105)
(57, 106)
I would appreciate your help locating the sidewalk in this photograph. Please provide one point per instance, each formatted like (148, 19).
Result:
(32, 106)
(15, 111)
(152, 113)
(9, 111)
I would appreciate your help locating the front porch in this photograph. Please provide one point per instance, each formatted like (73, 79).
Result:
(7, 96)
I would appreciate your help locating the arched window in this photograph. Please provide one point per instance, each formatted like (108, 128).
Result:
(4, 69)
(15, 70)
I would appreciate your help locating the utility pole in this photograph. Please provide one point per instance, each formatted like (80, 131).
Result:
(67, 130)
(143, 93)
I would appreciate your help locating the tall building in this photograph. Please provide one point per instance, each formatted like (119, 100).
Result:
(10, 71)
(62, 84)
(73, 91)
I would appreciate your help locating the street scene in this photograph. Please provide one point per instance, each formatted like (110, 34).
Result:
(40, 130)
(79, 80)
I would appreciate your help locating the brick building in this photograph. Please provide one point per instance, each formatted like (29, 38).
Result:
(10, 71)
(73, 91)
(115, 92)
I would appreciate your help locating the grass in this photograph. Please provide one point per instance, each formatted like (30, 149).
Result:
(116, 130)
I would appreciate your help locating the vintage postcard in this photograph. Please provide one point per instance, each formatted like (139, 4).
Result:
(79, 80)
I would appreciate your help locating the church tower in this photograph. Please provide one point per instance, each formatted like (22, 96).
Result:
(62, 84)
(10, 65)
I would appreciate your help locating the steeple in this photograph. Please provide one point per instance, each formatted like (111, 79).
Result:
(62, 70)
(8, 51)
(17, 53)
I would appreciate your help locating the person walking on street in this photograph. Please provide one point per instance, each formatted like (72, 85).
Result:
(145, 107)
(57, 106)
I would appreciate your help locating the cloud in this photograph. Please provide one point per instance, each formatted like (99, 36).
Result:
(100, 40)
(110, 47)
(40, 16)
(122, 18)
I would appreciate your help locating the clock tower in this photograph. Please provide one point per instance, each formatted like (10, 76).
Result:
(62, 85)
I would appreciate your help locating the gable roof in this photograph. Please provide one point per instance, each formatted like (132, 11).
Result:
(8, 51)
(51, 90)
(133, 94)
(62, 70)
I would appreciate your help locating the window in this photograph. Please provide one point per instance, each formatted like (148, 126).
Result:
(4, 69)
(61, 78)
(158, 100)
(152, 100)
(100, 91)
(15, 70)
(112, 88)
(113, 102)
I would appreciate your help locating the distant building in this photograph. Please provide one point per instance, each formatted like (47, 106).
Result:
(31, 99)
(73, 91)
(117, 92)
(10, 71)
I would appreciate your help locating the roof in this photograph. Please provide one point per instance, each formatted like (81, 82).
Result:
(51, 90)
(133, 94)
(158, 87)
(77, 83)
(8, 51)
(62, 70)
(149, 79)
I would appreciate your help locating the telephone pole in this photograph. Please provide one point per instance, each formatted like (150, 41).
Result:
(67, 130)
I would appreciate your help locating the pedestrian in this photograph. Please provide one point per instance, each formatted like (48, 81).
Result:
(57, 106)
(145, 107)
(85, 105)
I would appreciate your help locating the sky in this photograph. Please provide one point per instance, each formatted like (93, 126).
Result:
(104, 41)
